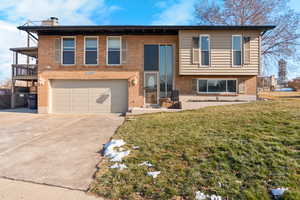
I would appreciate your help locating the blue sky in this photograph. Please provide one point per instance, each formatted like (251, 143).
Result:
(77, 12)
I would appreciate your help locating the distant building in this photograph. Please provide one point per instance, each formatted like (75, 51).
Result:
(266, 83)
(282, 73)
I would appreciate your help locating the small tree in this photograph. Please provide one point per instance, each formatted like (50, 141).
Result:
(282, 42)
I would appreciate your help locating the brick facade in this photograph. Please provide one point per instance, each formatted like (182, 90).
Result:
(49, 69)
(133, 69)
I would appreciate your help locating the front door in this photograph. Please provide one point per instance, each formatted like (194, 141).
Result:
(151, 87)
(158, 69)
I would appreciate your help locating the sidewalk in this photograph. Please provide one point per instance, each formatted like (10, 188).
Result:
(19, 190)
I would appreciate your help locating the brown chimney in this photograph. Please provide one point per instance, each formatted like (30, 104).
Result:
(53, 21)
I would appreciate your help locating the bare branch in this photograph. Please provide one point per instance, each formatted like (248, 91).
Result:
(282, 42)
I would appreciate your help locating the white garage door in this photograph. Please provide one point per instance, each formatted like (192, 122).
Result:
(89, 96)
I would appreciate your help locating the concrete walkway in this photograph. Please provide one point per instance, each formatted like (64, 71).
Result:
(18, 190)
(185, 106)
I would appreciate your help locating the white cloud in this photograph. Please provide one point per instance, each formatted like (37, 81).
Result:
(180, 12)
(70, 12)
(9, 37)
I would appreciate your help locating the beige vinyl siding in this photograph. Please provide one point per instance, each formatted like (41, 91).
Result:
(221, 53)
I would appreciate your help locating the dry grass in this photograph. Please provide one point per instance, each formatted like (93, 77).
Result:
(237, 151)
(278, 95)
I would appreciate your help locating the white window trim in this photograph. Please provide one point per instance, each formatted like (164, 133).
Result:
(242, 54)
(200, 51)
(232, 93)
(119, 37)
(62, 50)
(84, 54)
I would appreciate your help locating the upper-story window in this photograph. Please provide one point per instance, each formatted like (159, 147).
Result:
(91, 50)
(114, 50)
(68, 48)
(205, 47)
(237, 50)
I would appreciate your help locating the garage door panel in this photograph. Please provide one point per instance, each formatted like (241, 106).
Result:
(93, 96)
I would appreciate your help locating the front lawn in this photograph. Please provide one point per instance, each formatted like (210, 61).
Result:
(237, 152)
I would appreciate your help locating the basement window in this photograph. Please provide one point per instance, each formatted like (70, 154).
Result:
(216, 86)
(68, 54)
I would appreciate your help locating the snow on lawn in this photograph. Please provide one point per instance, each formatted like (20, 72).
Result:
(278, 191)
(118, 166)
(202, 196)
(115, 155)
(153, 174)
(146, 163)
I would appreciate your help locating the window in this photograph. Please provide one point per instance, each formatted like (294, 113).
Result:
(151, 57)
(216, 86)
(91, 51)
(237, 50)
(68, 54)
(205, 46)
(114, 50)
(159, 58)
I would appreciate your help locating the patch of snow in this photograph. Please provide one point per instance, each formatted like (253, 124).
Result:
(202, 196)
(146, 163)
(118, 166)
(114, 155)
(153, 174)
(135, 147)
(278, 191)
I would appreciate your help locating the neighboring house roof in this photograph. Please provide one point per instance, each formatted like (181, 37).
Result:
(107, 29)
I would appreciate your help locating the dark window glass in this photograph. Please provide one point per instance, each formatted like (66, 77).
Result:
(216, 85)
(68, 57)
(204, 50)
(237, 50)
(114, 51)
(204, 43)
(151, 58)
(68, 51)
(237, 58)
(113, 57)
(205, 58)
(91, 51)
(202, 85)
(231, 85)
(166, 70)
(91, 57)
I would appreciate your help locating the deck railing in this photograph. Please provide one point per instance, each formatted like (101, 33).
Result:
(24, 70)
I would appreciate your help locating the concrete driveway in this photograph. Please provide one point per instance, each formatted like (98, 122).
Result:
(59, 150)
